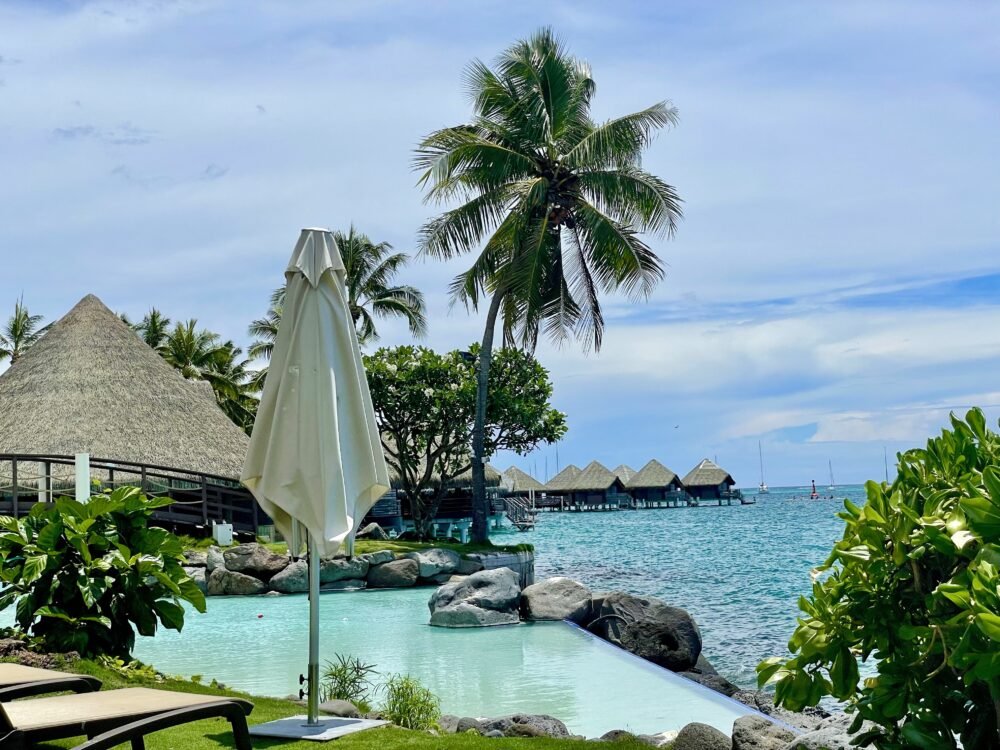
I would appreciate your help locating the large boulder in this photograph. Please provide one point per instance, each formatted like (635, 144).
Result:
(556, 599)
(194, 558)
(833, 733)
(435, 561)
(757, 733)
(526, 725)
(214, 559)
(294, 579)
(696, 736)
(224, 582)
(254, 559)
(377, 558)
(393, 575)
(372, 531)
(340, 569)
(808, 720)
(341, 708)
(198, 576)
(489, 597)
(647, 627)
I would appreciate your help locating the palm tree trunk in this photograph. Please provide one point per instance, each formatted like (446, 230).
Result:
(480, 510)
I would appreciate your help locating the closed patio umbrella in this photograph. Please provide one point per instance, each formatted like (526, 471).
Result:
(315, 457)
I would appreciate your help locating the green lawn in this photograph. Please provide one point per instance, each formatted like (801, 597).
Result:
(214, 733)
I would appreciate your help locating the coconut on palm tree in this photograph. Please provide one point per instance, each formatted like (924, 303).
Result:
(21, 331)
(554, 201)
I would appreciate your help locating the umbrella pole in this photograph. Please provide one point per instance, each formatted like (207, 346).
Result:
(313, 672)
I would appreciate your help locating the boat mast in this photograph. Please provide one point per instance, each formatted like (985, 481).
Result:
(832, 483)
(760, 453)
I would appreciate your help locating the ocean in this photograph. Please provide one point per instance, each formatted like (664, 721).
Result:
(739, 570)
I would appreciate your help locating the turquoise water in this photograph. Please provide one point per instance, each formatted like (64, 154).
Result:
(739, 570)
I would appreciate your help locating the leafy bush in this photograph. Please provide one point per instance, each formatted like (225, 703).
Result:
(409, 704)
(81, 575)
(349, 679)
(914, 586)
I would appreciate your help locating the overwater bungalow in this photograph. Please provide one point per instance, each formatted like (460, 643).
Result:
(656, 486)
(708, 481)
(624, 473)
(91, 385)
(517, 481)
(597, 488)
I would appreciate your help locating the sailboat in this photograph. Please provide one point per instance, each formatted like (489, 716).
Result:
(833, 485)
(762, 488)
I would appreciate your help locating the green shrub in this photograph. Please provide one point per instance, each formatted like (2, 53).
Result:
(349, 679)
(82, 575)
(409, 704)
(913, 586)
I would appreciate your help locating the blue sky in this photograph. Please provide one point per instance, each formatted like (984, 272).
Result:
(832, 290)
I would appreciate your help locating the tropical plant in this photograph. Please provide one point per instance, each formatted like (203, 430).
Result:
(20, 333)
(425, 409)
(409, 704)
(154, 329)
(86, 577)
(349, 679)
(557, 200)
(913, 587)
(265, 333)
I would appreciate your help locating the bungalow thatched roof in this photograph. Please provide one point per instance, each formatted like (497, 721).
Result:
(520, 481)
(623, 472)
(595, 476)
(91, 385)
(707, 474)
(652, 475)
(560, 482)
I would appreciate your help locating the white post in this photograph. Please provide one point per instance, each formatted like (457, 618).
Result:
(43, 495)
(82, 477)
(313, 671)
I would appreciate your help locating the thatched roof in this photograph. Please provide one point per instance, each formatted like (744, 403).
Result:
(623, 472)
(595, 476)
(459, 481)
(520, 481)
(652, 475)
(560, 482)
(91, 385)
(707, 474)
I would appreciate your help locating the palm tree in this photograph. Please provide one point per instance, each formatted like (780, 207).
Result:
(154, 329)
(20, 333)
(557, 199)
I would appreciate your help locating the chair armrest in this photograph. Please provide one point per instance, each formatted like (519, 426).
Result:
(235, 711)
(73, 683)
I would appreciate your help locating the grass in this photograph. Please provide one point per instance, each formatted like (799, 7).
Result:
(373, 545)
(213, 734)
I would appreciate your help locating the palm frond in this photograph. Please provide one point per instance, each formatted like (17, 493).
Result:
(620, 142)
(634, 197)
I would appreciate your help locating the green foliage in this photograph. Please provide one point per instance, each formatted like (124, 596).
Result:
(914, 587)
(349, 679)
(20, 333)
(131, 670)
(409, 704)
(425, 408)
(87, 576)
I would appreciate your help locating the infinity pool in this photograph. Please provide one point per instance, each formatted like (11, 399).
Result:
(260, 645)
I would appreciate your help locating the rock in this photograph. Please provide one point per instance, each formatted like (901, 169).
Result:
(448, 723)
(494, 734)
(377, 558)
(194, 558)
(435, 561)
(621, 735)
(198, 576)
(467, 724)
(489, 597)
(395, 574)
(715, 682)
(649, 628)
(224, 582)
(350, 584)
(345, 709)
(704, 666)
(372, 531)
(467, 567)
(831, 734)
(294, 579)
(808, 720)
(254, 559)
(214, 559)
(696, 736)
(755, 733)
(443, 578)
(663, 738)
(526, 725)
(340, 569)
(556, 599)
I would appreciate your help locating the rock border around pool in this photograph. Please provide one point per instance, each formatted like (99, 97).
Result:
(252, 569)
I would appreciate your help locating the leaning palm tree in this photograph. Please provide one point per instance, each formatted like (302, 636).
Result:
(20, 332)
(556, 201)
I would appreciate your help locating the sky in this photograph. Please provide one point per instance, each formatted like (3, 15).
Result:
(833, 290)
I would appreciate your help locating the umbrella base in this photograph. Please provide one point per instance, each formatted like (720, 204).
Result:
(328, 728)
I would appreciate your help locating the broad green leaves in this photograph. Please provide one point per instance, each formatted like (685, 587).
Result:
(913, 585)
(81, 574)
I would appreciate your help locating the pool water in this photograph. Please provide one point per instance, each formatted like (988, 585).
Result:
(260, 645)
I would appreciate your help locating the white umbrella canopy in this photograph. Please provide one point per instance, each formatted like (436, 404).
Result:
(315, 454)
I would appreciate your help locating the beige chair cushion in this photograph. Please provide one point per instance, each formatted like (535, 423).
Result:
(17, 674)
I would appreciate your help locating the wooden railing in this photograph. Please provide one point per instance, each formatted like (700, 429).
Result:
(520, 513)
(199, 498)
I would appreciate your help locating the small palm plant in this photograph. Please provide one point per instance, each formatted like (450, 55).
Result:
(20, 333)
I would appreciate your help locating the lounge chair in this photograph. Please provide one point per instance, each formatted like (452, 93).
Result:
(19, 681)
(113, 717)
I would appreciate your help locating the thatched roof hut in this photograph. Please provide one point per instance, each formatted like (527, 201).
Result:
(91, 385)
(653, 475)
(707, 474)
(520, 481)
(595, 477)
(560, 482)
(624, 473)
